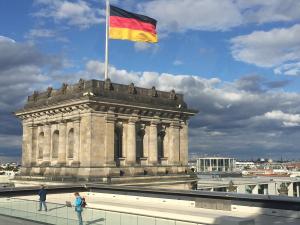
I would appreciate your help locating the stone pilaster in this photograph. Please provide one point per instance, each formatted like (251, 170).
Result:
(76, 158)
(62, 151)
(153, 154)
(174, 143)
(27, 145)
(184, 144)
(34, 144)
(109, 139)
(131, 141)
(47, 144)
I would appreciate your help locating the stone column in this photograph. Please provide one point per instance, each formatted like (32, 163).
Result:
(223, 168)
(266, 189)
(174, 143)
(109, 139)
(153, 154)
(210, 166)
(298, 190)
(291, 190)
(217, 161)
(47, 144)
(76, 158)
(255, 190)
(124, 141)
(184, 140)
(131, 141)
(62, 151)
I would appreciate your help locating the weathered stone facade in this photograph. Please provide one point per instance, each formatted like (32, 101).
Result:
(102, 129)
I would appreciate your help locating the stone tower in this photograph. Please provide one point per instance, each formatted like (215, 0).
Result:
(95, 129)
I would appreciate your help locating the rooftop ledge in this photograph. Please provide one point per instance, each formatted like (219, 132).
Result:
(106, 91)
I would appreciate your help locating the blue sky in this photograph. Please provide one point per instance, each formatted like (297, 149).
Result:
(236, 61)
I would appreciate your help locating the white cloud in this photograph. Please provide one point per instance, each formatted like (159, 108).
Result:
(276, 48)
(76, 13)
(257, 11)
(291, 69)
(183, 15)
(212, 15)
(141, 46)
(177, 62)
(40, 33)
(287, 119)
(4, 39)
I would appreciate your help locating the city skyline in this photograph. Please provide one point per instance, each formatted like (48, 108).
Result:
(241, 71)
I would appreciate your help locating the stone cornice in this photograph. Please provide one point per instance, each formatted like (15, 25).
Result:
(90, 105)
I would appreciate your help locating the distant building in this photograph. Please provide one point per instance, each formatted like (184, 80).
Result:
(244, 165)
(253, 185)
(211, 164)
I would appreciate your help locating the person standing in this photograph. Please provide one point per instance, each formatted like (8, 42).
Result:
(43, 194)
(78, 207)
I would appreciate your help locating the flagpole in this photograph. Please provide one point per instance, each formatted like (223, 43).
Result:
(106, 39)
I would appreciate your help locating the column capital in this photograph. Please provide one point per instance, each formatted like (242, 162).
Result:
(110, 117)
(154, 122)
(175, 124)
(133, 120)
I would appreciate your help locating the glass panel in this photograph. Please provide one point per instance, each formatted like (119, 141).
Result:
(143, 220)
(127, 219)
(184, 223)
(112, 218)
(164, 222)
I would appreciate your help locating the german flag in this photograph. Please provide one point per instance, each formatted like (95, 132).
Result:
(131, 26)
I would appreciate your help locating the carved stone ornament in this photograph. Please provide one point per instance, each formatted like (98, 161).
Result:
(35, 95)
(64, 88)
(131, 89)
(49, 91)
(108, 85)
(81, 84)
(173, 95)
(153, 92)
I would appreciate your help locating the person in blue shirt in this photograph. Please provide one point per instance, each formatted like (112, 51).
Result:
(78, 207)
(43, 194)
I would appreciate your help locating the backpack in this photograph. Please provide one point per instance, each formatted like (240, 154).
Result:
(83, 202)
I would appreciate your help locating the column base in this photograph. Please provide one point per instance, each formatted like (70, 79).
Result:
(164, 161)
(122, 161)
(144, 161)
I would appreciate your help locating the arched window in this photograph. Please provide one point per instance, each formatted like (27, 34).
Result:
(55, 144)
(71, 143)
(160, 143)
(118, 141)
(41, 145)
(140, 143)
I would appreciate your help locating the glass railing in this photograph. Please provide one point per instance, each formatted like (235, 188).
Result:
(62, 215)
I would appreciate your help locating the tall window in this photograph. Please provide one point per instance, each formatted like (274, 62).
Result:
(160, 143)
(55, 144)
(118, 141)
(71, 143)
(140, 143)
(41, 145)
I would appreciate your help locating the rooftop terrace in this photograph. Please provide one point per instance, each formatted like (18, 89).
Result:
(135, 205)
